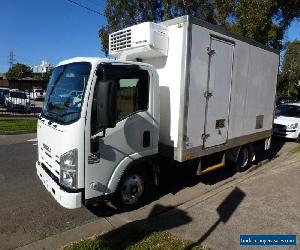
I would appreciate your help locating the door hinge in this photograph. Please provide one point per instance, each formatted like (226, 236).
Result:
(205, 136)
(208, 94)
(210, 51)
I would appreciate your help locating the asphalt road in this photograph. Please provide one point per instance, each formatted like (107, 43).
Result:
(29, 213)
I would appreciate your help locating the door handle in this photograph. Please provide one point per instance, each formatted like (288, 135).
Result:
(146, 139)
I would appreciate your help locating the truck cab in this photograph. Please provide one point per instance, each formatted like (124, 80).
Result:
(100, 119)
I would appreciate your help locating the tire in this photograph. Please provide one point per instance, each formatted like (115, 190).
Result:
(298, 139)
(243, 159)
(132, 190)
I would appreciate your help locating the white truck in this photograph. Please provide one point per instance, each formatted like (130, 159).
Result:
(183, 89)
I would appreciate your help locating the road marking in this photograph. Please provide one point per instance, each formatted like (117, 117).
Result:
(35, 139)
(34, 144)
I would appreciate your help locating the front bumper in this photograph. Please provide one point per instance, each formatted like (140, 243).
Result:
(289, 134)
(65, 199)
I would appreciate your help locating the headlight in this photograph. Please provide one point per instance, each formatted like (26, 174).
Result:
(69, 169)
(292, 126)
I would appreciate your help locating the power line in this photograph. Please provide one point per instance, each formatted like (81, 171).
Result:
(11, 59)
(86, 7)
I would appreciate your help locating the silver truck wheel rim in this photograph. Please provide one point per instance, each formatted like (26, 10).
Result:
(132, 189)
(244, 160)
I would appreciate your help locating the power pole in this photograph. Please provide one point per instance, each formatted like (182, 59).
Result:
(11, 59)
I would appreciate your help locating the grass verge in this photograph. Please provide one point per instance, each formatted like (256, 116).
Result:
(12, 125)
(134, 236)
(295, 150)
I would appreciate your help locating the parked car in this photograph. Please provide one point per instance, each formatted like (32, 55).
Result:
(285, 99)
(37, 94)
(17, 100)
(3, 93)
(287, 121)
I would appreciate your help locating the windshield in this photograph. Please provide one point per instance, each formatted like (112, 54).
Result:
(65, 92)
(18, 95)
(288, 110)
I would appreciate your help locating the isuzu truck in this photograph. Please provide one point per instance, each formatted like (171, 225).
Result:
(183, 89)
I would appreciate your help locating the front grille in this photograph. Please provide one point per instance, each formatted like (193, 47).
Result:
(18, 106)
(279, 126)
(50, 174)
(120, 40)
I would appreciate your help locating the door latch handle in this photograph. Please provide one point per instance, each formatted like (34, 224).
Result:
(208, 94)
(146, 139)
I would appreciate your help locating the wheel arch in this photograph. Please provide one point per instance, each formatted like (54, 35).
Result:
(127, 163)
(233, 153)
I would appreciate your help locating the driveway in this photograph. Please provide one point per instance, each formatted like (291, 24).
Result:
(265, 201)
(29, 213)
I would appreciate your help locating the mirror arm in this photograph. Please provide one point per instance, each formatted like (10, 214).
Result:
(95, 141)
(98, 135)
(94, 144)
(103, 133)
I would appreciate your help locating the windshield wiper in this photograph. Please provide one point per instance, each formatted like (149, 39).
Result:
(69, 113)
(51, 116)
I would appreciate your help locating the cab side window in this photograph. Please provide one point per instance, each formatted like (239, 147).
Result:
(133, 90)
(132, 96)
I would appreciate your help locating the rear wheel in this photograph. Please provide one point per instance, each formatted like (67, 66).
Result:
(243, 159)
(132, 189)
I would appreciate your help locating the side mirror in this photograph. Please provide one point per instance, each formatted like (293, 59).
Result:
(106, 104)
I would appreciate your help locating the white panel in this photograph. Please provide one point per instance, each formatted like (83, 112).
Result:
(260, 90)
(197, 86)
(238, 89)
(170, 72)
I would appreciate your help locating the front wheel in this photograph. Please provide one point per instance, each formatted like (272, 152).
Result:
(243, 159)
(132, 190)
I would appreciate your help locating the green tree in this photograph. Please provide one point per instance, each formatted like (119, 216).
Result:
(289, 77)
(17, 71)
(262, 20)
(46, 76)
(255, 21)
(286, 11)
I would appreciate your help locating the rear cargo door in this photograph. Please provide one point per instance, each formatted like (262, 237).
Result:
(218, 92)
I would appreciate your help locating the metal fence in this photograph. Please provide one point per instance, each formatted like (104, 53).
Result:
(19, 103)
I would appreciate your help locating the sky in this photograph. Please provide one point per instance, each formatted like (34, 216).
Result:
(55, 30)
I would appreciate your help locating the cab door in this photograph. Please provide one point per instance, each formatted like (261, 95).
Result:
(133, 136)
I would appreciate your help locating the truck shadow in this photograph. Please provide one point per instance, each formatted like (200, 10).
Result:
(276, 146)
(162, 218)
(127, 235)
(175, 177)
